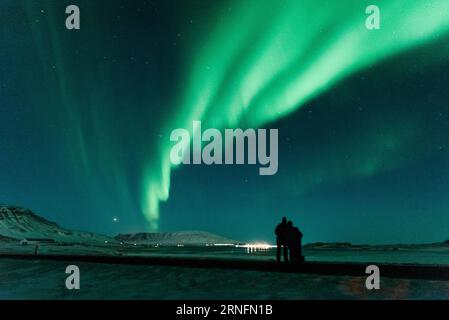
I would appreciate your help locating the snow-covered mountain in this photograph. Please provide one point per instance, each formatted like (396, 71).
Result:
(188, 238)
(21, 223)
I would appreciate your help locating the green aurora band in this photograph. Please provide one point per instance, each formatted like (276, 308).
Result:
(257, 61)
(265, 59)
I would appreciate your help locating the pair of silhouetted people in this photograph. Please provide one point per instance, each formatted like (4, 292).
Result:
(288, 240)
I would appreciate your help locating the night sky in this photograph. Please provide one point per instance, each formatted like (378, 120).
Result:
(363, 116)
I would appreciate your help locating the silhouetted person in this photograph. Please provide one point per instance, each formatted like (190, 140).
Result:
(281, 241)
(293, 237)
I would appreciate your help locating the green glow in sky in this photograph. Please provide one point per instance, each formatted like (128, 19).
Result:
(262, 60)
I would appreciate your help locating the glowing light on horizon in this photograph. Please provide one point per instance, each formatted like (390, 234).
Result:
(254, 247)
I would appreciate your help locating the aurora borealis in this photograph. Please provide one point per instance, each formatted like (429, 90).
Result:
(362, 115)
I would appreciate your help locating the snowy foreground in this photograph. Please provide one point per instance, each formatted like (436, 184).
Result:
(34, 278)
(45, 279)
(38, 279)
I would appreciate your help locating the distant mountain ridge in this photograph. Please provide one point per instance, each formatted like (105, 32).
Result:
(17, 223)
(192, 238)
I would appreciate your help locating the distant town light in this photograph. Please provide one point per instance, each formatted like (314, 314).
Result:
(252, 247)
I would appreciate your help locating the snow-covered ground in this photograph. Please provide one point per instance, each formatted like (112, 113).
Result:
(38, 279)
(44, 279)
